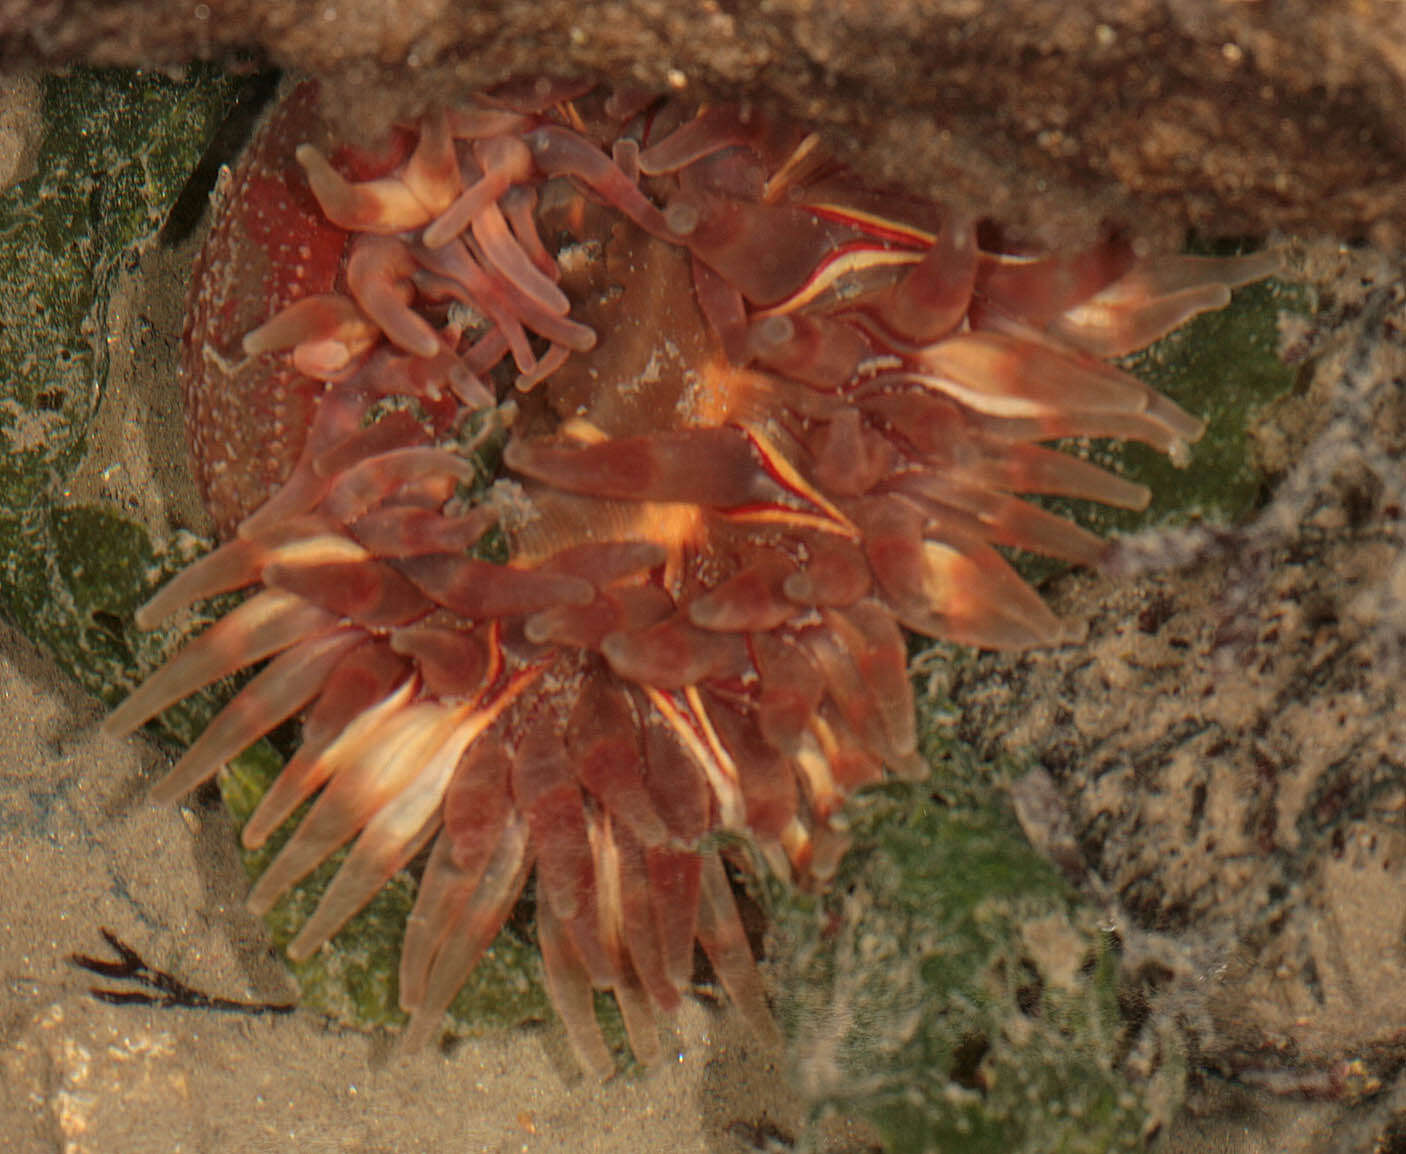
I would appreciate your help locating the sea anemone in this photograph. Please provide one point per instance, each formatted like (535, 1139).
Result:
(762, 417)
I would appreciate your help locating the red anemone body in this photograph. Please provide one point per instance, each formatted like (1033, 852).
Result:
(762, 417)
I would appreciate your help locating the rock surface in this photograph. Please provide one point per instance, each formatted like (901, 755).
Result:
(1157, 115)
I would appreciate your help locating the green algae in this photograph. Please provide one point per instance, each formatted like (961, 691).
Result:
(951, 986)
(116, 149)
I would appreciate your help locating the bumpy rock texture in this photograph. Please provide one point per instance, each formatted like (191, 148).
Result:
(1158, 114)
(1228, 741)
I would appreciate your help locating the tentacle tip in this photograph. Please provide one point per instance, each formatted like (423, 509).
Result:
(302, 947)
(576, 591)
(1138, 497)
(324, 360)
(516, 452)
(538, 628)
(909, 767)
(1255, 266)
(438, 234)
(123, 721)
(1192, 434)
(799, 587)
(309, 157)
(418, 1033)
(615, 648)
(1179, 452)
(1216, 297)
(682, 217)
(259, 902)
(424, 345)
(167, 792)
(597, 1067)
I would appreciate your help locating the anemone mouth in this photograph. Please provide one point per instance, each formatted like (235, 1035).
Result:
(757, 426)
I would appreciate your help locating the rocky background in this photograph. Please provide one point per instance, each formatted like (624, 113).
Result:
(1217, 772)
(1224, 116)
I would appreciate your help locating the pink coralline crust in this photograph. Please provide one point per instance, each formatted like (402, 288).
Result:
(761, 417)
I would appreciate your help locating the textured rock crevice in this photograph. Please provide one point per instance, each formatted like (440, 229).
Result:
(1159, 115)
(1228, 739)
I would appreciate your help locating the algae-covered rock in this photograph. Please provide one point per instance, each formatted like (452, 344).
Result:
(114, 150)
(952, 988)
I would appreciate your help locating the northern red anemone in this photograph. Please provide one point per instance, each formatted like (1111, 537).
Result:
(763, 418)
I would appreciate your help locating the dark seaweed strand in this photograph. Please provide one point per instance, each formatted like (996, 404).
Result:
(158, 988)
